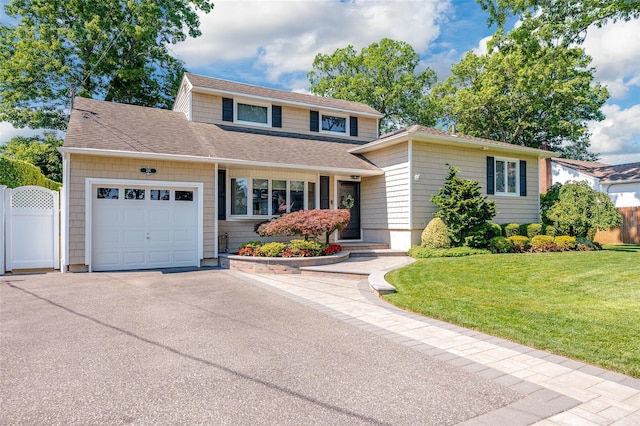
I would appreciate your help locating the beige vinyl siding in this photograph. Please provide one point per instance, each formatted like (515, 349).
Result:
(183, 100)
(385, 199)
(208, 109)
(430, 161)
(83, 166)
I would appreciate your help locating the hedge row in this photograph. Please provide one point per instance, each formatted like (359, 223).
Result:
(540, 243)
(16, 173)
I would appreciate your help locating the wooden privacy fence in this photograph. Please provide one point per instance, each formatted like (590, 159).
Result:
(628, 233)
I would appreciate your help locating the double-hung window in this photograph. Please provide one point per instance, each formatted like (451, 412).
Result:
(506, 176)
(261, 197)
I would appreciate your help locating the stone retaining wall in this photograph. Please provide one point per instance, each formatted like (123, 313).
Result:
(276, 265)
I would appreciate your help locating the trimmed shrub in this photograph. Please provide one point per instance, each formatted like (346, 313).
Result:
(249, 249)
(436, 234)
(500, 245)
(522, 229)
(565, 242)
(16, 173)
(481, 236)
(550, 230)
(273, 249)
(303, 248)
(511, 230)
(534, 229)
(585, 244)
(420, 252)
(518, 243)
(495, 230)
(307, 223)
(541, 243)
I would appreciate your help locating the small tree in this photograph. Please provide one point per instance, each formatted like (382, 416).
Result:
(307, 223)
(581, 211)
(463, 208)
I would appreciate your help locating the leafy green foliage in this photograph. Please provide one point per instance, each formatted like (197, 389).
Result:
(565, 242)
(421, 252)
(547, 201)
(273, 249)
(518, 243)
(534, 229)
(436, 234)
(500, 245)
(462, 207)
(581, 211)
(564, 21)
(511, 229)
(527, 94)
(40, 151)
(16, 173)
(112, 49)
(383, 76)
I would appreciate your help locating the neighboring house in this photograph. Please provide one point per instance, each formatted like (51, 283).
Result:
(150, 188)
(620, 182)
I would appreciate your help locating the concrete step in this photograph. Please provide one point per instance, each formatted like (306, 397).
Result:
(376, 253)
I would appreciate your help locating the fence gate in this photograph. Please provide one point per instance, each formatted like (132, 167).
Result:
(32, 221)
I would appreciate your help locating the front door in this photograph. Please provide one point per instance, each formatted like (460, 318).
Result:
(349, 198)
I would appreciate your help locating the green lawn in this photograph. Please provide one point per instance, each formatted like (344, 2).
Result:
(583, 305)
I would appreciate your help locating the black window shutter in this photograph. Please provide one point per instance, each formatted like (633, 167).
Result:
(314, 121)
(491, 176)
(324, 192)
(227, 109)
(222, 194)
(353, 126)
(523, 178)
(276, 116)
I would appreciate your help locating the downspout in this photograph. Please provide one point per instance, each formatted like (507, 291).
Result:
(410, 177)
(66, 184)
(216, 248)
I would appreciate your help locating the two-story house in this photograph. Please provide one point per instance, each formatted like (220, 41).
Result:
(151, 188)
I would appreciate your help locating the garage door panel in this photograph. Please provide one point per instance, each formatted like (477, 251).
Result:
(144, 233)
(185, 256)
(160, 257)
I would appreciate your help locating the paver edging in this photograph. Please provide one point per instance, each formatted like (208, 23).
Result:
(277, 265)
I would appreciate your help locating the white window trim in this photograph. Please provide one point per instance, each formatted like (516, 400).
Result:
(91, 183)
(253, 103)
(506, 182)
(250, 215)
(335, 114)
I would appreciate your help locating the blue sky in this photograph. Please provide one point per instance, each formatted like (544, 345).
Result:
(273, 43)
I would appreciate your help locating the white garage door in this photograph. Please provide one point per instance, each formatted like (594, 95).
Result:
(140, 227)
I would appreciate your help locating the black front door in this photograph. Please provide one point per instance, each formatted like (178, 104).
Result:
(349, 198)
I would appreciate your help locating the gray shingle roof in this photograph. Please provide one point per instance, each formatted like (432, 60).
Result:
(604, 172)
(111, 126)
(226, 86)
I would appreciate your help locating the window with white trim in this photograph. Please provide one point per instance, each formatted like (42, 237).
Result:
(254, 113)
(261, 197)
(507, 176)
(333, 124)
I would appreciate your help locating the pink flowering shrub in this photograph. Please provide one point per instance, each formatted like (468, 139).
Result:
(307, 223)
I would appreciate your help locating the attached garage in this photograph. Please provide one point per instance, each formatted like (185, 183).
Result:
(143, 225)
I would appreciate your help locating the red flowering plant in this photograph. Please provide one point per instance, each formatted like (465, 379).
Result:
(332, 249)
(307, 223)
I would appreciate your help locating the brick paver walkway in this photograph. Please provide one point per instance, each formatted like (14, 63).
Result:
(559, 391)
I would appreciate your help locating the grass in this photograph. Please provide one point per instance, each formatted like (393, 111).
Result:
(582, 305)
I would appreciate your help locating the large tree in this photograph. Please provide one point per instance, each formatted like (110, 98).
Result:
(106, 49)
(383, 76)
(529, 95)
(41, 151)
(565, 21)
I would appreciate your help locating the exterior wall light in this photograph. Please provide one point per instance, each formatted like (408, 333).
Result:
(148, 170)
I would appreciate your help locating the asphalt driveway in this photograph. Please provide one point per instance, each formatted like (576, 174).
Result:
(208, 347)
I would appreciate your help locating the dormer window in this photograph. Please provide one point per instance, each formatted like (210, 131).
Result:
(252, 113)
(243, 111)
(334, 124)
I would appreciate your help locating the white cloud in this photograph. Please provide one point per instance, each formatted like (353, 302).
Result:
(7, 132)
(481, 49)
(281, 37)
(617, 138)
(616, 54)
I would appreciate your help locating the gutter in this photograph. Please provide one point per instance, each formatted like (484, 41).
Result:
(215, 160)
